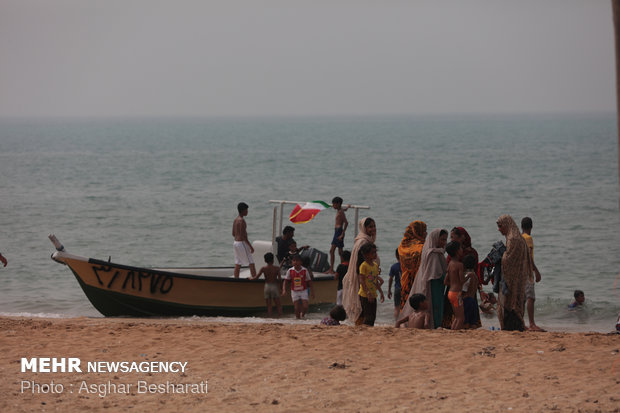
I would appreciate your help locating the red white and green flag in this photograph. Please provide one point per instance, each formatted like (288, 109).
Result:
(306, 212)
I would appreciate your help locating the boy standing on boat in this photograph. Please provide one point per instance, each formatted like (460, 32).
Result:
(241, 246)
(339, 228)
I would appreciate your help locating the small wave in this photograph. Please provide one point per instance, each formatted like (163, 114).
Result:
(36, 315)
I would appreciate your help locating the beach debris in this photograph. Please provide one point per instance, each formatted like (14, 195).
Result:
(559, 348)
(274, 401)
(486, 351)
(336, 365)
(540, 352)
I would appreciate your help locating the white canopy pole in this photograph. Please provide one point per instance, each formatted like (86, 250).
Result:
(282, 202)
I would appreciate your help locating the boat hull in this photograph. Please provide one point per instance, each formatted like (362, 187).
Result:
(121, 290)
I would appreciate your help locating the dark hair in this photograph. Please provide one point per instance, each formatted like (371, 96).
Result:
(443, 232)
(268, 258)
(368, 222)
(578, 293)
(396, 254)
(526, 223)
(337, 200)
(415, 300)
(296, 257)
(365, 249)
(242, 206)
(469, 262)
(456, 231)
(288, 230)
(452, 248)
(338, 313)
(346, 255)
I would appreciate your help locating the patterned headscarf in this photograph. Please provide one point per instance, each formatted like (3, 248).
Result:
(516, 268)
(410, 253)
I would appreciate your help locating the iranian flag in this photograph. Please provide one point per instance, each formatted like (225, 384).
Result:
(304, 213)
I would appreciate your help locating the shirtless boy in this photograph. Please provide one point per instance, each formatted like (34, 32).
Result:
(272, 283)
(339, 229)
(420, 318)
(455, 280)
(241, 246)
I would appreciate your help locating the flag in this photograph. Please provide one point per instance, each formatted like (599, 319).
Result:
(302, 214)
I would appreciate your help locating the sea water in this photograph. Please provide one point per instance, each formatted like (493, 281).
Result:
(163, 192)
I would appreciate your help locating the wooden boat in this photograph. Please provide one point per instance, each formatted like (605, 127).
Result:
(123, 290)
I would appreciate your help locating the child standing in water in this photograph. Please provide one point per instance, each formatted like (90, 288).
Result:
(455, 280)
(370, 282)
(272, 283)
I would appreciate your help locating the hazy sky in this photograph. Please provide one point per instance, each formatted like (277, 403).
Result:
(255, 57)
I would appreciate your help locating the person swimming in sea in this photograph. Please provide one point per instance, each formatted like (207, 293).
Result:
(580, 298)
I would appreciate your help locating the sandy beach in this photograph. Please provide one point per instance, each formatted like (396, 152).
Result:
(278, 367)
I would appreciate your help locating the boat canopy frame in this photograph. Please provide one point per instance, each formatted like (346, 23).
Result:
(278, 216)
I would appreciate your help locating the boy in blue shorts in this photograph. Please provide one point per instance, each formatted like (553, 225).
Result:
(340, 227)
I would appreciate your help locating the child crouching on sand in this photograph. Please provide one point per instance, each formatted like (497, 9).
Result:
(336, 315)
(300, 282)
(370, 282)
(420, 318)
(272, 283)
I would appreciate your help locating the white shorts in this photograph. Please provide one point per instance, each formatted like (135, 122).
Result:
(243, 256)
(299, 295)
(530, 292)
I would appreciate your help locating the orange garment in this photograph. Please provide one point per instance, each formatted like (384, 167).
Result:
(410, 255)
(455, 299)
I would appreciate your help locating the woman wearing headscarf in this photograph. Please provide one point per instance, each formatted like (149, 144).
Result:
(350, 285)
(410, 255)
(516, 268)
(429, 280)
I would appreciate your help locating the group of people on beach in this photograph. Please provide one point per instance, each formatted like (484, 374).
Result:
(431, 290)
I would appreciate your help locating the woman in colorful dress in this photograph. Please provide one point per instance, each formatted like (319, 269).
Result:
(410, 254)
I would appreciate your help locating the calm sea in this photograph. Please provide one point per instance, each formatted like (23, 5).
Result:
(163, 192)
